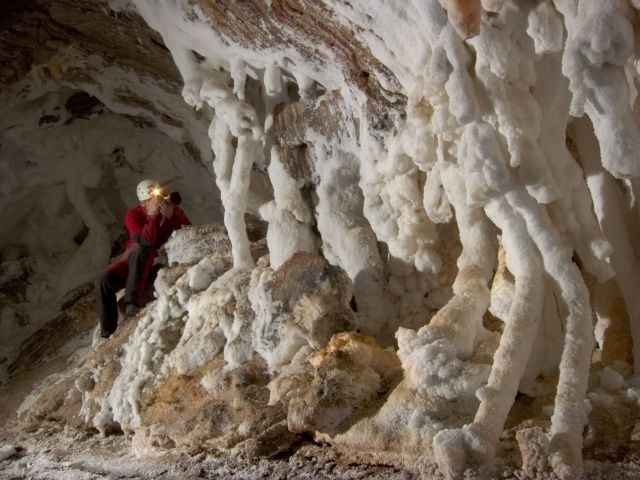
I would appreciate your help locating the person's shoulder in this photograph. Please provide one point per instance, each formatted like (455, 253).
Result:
(179, 210)
(182, 216)
(134, 212)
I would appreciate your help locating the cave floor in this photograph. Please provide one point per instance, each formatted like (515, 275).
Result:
(54, 452)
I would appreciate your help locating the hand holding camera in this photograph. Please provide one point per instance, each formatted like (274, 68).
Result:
(166, 209)
(165, 203)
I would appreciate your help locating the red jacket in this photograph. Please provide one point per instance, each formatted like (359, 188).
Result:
(150, 232)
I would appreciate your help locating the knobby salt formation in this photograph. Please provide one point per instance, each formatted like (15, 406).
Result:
(394, 138)
(489, 97)
(469, 121)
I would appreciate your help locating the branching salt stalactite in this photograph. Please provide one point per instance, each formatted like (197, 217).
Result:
(571, 410)
(573, 211)
(485, 176)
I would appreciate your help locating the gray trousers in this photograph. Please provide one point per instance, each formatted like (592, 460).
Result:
(127, 275)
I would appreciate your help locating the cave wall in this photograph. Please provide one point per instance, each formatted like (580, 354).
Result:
(90, 105)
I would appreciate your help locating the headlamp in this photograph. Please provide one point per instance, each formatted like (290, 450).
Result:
(173, 198)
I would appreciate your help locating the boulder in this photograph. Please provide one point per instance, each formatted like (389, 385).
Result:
(329, 389)
(304, 302)
(192, 243)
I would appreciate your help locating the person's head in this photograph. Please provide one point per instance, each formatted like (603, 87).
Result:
(147, 190)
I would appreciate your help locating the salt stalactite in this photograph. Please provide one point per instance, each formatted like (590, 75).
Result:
(479, 440)
(463, 314)
(570, 412)
(347, 238)
(161, 18)
(236, 198)
(393, 201)
(518, 117)
(456, 330)
(600, 42)
(439, 349)
(609, 207)
(272, 93)
(485, 175)
(233, 118)
(399, 185)
(574, 210)
(290, 218)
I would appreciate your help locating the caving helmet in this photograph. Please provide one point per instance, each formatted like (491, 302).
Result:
(145, 189)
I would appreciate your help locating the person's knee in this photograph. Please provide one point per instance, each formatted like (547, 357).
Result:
(140, 250)
(102, 281)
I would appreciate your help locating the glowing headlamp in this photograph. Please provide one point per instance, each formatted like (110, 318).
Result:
(173, 198)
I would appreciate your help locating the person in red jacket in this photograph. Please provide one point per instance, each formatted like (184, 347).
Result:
(150, 225)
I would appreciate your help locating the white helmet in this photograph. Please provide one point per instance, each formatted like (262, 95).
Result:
(145, 188)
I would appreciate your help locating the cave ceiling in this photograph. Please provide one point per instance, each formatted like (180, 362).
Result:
(38, 33)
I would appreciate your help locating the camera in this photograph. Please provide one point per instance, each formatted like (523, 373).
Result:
(174, 198)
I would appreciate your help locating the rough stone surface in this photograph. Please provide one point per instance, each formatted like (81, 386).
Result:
(192, 243)
(305, 301)
(316, 34)
(77, 318)
(347, 379)
(229, 411)
(36, 32)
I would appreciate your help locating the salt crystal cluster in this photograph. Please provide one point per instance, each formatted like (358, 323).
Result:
(491, 91)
